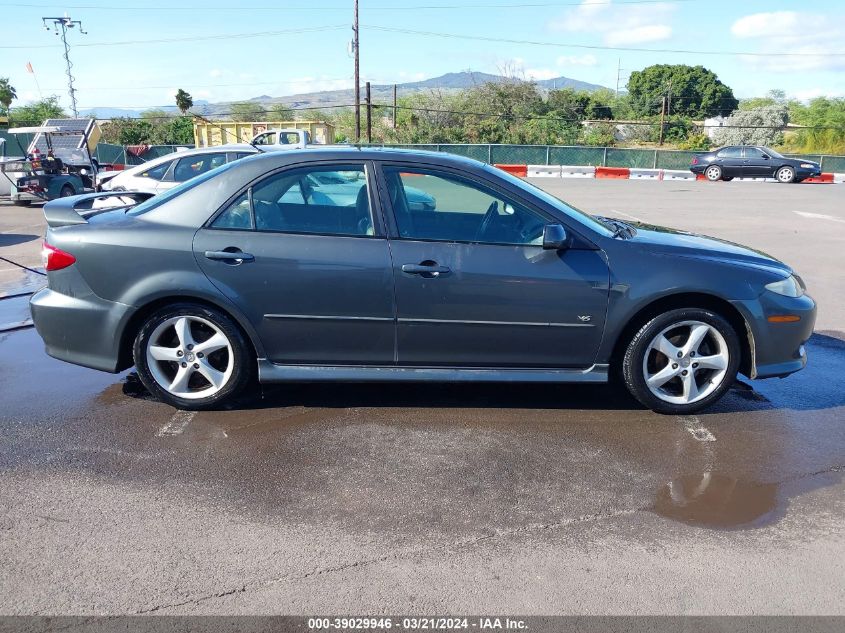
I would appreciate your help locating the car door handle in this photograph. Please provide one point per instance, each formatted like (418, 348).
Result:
(426, 269)
(233, 256)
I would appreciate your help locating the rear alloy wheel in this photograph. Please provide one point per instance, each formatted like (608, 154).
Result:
(713, 173)
(192, 356)
(66, 192)
(785, 174)
(682, 361)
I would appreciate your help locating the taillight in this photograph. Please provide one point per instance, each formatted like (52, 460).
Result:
(54, 258)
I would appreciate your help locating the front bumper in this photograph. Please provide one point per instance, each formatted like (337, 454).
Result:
(778, 349)
(78, 327)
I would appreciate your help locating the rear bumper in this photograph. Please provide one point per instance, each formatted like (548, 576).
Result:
(79, 329)
(778, 349)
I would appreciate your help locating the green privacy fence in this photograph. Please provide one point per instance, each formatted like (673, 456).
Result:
(595, 156)
(488, 153)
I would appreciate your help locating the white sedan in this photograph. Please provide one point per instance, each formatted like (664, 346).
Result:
(165, 172)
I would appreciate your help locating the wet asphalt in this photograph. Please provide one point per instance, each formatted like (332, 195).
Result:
(442, 498)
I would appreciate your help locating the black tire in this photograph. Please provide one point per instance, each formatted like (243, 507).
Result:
(632, 362)
(713, 173)
(727, 178)
(785, 174)
(67, 191)
(242, 354)
(22, 203)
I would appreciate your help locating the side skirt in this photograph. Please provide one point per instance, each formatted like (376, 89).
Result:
(271, 372)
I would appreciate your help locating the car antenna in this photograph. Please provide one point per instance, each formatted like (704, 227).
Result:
(223, 130)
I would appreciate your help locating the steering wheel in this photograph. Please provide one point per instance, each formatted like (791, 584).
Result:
(491, 212)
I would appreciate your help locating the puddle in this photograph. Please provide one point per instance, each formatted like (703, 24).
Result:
(718, 501)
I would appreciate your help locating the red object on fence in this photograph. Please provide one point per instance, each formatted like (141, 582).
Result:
(824, 178)
(516, 170)
(613, 172)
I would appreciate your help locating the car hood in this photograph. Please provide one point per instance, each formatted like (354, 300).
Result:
(686, 244)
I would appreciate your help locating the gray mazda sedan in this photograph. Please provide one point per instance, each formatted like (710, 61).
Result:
(312, 266)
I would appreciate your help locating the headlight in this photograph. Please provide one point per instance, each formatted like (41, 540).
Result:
(808, 165)
(788, 287)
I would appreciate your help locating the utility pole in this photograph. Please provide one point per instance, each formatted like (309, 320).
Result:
(369, 115)
(394, 106)
(618, 74)
(355, 50)
(662, 116)
(64, 24)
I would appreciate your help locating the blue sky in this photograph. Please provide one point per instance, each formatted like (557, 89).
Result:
(142, 75)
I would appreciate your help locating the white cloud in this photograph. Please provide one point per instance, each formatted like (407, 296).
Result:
(810, 37)
(577, 60)
(215, 72)
(539, 74)
(618, 25)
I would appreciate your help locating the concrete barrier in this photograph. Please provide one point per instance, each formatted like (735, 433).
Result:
(839, 178)
(824, 178)
(516, 170)
(678, 174)
(646, 174)
(544, 171)
(613, 172)
(577, 171)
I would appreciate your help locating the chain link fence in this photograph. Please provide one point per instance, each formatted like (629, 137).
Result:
(593, 156)
(488, 153)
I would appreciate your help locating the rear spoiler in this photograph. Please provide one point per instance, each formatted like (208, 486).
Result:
(77, 209)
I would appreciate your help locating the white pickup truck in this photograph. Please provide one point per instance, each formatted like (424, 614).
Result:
(287, 138)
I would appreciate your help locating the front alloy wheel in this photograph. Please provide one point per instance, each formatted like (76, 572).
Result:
(682, 361)
(191, 356)
(713, 173)
(785, 174)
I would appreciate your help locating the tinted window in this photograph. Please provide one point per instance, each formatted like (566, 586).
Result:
(191, 166)
(431, 205)
(730, 152)
(327, 200)
(237, 215)
(753, 152)
(157, 172)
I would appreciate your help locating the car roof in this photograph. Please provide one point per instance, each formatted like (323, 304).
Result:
(359, 152)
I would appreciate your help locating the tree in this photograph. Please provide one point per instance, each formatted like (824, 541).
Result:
(184, 101)
(760, 126)
(691, 91)
(247, 111)
(282, 112)
(7, 94)
(36, 113)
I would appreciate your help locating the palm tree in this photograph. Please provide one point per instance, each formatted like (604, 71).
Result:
(184, 101)
(7, 94)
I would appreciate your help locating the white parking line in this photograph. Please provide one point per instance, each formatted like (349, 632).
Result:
(818, 216)
(177, 424)
(694, 427)
(625, 215)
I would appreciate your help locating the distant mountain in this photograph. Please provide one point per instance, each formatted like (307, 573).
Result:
(380, 94)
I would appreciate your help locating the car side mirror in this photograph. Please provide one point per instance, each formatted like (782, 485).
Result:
(555, 237)
(766, 156)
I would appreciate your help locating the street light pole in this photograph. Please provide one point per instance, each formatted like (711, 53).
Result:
(64, 24)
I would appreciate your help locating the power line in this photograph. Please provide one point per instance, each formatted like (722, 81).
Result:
(422, 7)
(482, 38)
(199, 38)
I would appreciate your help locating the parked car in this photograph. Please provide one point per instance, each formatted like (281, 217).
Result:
(165, 172)
(226, 278)
(752, 161)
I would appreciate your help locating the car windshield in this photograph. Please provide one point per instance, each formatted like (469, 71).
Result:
(772, 152)
(159, 199)
(576, 214)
